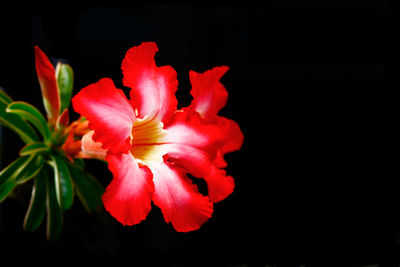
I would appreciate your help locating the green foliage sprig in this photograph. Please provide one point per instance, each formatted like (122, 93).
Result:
(56, 173)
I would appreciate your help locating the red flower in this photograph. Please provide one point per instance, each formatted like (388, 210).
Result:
(151, 145)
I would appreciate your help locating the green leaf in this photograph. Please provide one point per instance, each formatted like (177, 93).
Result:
(63, 182)
(88, 189)
(37, 206)
(34, 148)
(10, 174)
(31, 114)
(54, 212)
(79, 163)
(5, 189)
(31, 170)
(16, 124)
(65, 81)
(6, 98)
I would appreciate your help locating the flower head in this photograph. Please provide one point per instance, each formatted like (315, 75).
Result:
(150, 146)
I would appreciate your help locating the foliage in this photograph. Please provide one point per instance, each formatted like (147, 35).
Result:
(56, 174)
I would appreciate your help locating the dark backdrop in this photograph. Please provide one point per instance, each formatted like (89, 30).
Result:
(310, 86)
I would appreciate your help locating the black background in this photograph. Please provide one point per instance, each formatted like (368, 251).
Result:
(310, 85)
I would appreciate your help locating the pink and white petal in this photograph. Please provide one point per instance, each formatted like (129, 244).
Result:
(128, 197)
(188, 128)
(48, 84)
(209, 94)
(180, 203)
(193, 160)
(153, 88)
(109, 112)
(92, 149)
(197, 163)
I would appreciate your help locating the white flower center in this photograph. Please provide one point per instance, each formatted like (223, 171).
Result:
(146, 140)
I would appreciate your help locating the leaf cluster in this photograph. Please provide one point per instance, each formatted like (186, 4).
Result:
(56, 177)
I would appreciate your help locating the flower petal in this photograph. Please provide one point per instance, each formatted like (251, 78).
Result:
(188, 128)
(153, 88)
(209, 95)
(128, 197)
(219, 160)
(109, 112)
(219, 185)
(197, 163)
(233, 136)
(47, 80)
(178, 200)
(92, 149)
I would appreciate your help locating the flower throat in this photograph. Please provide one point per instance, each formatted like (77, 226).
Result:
(146, 140)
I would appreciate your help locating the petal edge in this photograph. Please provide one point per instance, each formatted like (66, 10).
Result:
(209, 94)
(109, 112)
(152, 88)
(186, 209)
(128, 197)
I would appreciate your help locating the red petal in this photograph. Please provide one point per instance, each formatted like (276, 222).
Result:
(187, 128)
(233, 136)
(178, 200)
(219, 160)
(209, 95)
(197, 163)
(47, 80)
(109, 112)
(128, 197)
(153, 88)
(193, 160)
(219, 185)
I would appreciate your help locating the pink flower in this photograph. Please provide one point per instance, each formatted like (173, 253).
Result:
(151, 146)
